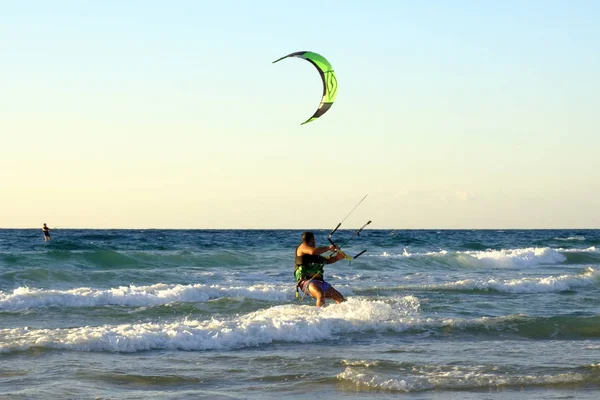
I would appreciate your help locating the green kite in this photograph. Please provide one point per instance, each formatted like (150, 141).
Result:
(327, 76)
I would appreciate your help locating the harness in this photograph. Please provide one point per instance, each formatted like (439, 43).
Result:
(308, 267)
(310, 271)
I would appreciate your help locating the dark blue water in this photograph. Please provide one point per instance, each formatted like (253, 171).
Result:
(213, 314)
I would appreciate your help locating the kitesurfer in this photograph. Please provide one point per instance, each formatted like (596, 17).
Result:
(46, 231)
(309, 270)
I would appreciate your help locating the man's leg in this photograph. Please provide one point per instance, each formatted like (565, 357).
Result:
(316, 291)
(333, 294)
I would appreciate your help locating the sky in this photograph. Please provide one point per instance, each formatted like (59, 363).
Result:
(153, 114)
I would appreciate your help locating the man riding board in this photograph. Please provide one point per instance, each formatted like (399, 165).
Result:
(309, 270)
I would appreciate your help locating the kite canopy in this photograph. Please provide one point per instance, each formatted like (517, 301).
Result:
(327, 76)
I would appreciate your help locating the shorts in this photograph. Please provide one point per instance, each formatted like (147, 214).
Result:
(304, 285)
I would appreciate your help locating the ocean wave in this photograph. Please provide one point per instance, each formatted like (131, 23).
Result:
(516, 257)
(292, 324)
(569, 241)
(450, 377)
(506, 258)
(24, 298)
(107, 259)
(582, 256)
(570, 238)
(591, 249)
(526, 257)
(590, 277)
(158, 294)
(548, 284)
(475, 246)
(286, 323)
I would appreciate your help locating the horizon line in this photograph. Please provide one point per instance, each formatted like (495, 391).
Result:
(305, 229)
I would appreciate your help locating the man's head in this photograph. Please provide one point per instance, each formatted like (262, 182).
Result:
(308, 238)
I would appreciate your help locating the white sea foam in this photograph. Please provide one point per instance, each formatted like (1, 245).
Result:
(592, 249)
(24, 298)
(527, 285)
(406, 253)
(579, 238)
(288, 323)
(284, 323)
(516, 257)
(424, 378)
(525, 257)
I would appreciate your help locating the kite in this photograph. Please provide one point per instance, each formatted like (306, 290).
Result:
(327, 76)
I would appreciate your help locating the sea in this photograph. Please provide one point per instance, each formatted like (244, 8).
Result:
(213, 314)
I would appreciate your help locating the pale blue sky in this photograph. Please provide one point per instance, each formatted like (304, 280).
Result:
(461, 114)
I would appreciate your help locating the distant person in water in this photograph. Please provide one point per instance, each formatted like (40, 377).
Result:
(309, 270)
(46, 231)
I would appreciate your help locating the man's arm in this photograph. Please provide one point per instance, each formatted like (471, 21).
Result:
(315, 251)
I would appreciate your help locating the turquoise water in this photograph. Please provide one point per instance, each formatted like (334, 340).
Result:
(213, 314)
